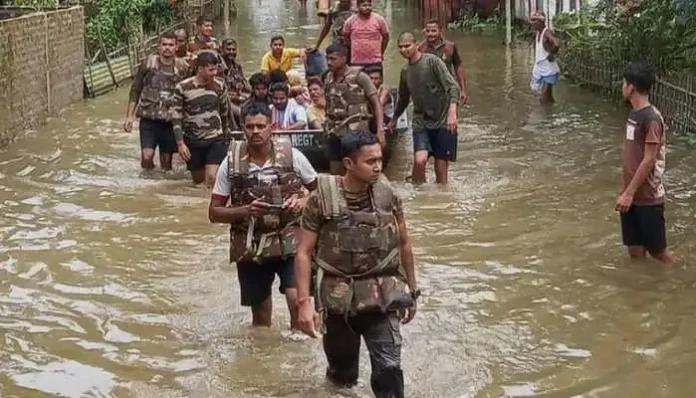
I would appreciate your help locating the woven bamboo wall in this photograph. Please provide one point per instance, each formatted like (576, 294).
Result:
(41, 60)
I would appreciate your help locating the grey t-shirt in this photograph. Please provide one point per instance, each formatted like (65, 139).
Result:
(432, 88)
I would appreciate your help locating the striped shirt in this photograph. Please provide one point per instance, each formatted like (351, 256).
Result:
(200, 111)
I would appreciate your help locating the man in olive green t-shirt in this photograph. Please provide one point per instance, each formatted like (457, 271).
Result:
(427, 81)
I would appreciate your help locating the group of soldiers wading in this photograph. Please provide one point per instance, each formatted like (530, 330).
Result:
(339, 241)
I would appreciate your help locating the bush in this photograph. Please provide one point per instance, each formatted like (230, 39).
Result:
(117, 20)
(661, 32)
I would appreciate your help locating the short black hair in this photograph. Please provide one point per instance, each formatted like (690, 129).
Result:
(168, 36)
(256, 108)
(641, 75)
(338, 48)
(229, 42)
(373, 69)
(407, 36)
(258, 78)
(315, 82)
(203, 19)
(206, 58)
(354, 140)
(433, 21)
(277, 76)
(277, 37)
(279, 86)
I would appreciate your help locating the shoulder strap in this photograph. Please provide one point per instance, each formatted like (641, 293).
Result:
(180, 65)
(383, 193)
(237, 158)
(152, 61)
(330, 190)
(449, 47)
(282, 146)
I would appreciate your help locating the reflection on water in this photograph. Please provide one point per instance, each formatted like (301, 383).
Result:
(114, 283)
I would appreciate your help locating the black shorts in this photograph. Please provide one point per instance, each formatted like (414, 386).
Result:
(204, 152)
(440, 143)
(333, 148)
(256, 280)
(154, 133)
(645, 226)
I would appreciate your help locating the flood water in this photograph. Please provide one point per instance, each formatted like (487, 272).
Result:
(114, 284)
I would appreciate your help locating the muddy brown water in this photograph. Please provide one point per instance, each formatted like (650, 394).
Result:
(114, 284)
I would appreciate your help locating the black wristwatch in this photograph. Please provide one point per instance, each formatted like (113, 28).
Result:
(415, 294)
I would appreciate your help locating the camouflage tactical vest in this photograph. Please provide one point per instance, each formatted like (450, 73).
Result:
(347, 108)
(158, 88)
(445, 52)
(358, 252)
(273, 235)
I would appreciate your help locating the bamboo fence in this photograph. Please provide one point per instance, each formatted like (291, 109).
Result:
(674, 94)
(105, 71)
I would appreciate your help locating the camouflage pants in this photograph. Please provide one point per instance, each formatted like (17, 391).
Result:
(383, 341)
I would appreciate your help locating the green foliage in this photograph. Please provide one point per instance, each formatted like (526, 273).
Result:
(495, 23)
(474, 23)
(661, 32)
(117, 20)
(36, 4)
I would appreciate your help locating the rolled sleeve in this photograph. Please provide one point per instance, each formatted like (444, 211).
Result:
(293, 52)
(223, 186)
(302, 167)
(312, 219)
(654, 132)
(365, 83)
(299, 114)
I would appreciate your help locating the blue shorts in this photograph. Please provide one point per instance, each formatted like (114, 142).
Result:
(440, 143)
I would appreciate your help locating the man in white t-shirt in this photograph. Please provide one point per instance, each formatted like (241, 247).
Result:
(260, 190)
(287, 114)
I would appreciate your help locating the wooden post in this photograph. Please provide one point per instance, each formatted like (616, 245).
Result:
(90, 86)
(508, 22)
(226, 16)
(106, 57)
(128, 50)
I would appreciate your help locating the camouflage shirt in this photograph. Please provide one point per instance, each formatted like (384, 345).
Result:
(200, 111)
(236, 83)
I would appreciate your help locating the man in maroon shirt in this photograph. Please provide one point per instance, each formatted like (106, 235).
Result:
(642, 200)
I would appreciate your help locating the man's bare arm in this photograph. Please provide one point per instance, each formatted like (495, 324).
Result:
(377, 110)
(324, 30)
(219, 212)
(385, 42)
(406, 253)
(551, 39)
(646, 164)
(306, 242)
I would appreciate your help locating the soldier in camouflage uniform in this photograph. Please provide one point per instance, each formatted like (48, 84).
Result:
(239, 88)
(334, 21)
(352, 104)
(263, 180)
(204, 39)
(353, 227)
(151, 97)
(200, 114)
